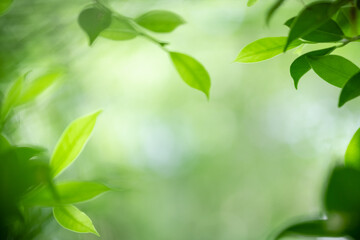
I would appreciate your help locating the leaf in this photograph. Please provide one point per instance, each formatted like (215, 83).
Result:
(328, 32)
(351, 89)
(12, 97)
(273, 9)
(334, 69)
(67, 193)
(345, 19)
(5, 5)
(160, 21)
(38, 86)
(251, 2)
(72, 142)
(119, 29)
(263, 49)
(352, 155)
(73, 219)
(313, 228)
(192, 72)
(93, 21)
(309, 19)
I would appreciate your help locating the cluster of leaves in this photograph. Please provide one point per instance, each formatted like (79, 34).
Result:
(28, 175)
(333, 22)
(337, 23)
(98, 20)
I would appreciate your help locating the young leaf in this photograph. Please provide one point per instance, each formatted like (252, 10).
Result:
(73, 219)
(160, 21)
(192, 72)
(72, 142)
(5, 5)
(38, 86)
(11, 98)
(328, 32)
(93, 21)
(351, 89)
(263, 49)
(352, 155)
(67, 193)
(334, 69)
(251, 2)
(119, 29)
(309, 19)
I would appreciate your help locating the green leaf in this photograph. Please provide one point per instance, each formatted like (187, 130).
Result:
(160, 21)
(72, 142)
(352, 155)
(328, 32)
(12, 97)
(263, 49)
(5, 5)
(351, 89)
(251, 2)
(334, 69)
(73, 219)
(309, 19)
(192, 72)
(93, 21)
(313, 228)
(38, 86)
(345, 19)
(66, 193)
(119, 29)
(273, 9)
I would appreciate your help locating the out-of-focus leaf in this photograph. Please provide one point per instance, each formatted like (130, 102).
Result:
(273, 9)
(192, 72)
(309, 19)
(38, 86)
(93, 21)
(328, 32)
(251, 2)
(119, 29)
(334, 69)
(345, 18)
(351, 89)
(12, 97)
(72, 142)
(312, 228)
(67, 193)
(352, 155)
(4, 5)
(264, 48)
(160, 21)
(73, 219)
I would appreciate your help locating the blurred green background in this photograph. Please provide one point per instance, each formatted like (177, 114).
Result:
(235, 167)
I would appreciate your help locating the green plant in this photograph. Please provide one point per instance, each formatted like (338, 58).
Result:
(334, 22)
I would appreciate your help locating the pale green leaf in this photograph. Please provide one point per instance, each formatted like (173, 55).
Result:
(264, 48)
(160, 21)
(119, 29)
(192, 72)
(72, 142)
(73, 219)
(12, 97)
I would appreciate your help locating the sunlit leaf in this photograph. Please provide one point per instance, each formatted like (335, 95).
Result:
(347, 21)
(264, 48)
(73, 219)
(192, 72)
(119, 29)
(334, 69)
(72, 142)
(251, 2)
(351, 89)
(93, 21)
(38, 86)
(12, 97)
(160, 21)
(352, 155)
(66, 193)
(5, 5)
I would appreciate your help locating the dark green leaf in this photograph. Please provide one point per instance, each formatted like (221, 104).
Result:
(160, 21)
(334, 69)
(93, 21)
(72, 218)
(264, 48)
(352, 155)
(119, 29)
(351, 89)
(309, 19)
(4, 5)
(192, 72)
(328, 32)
